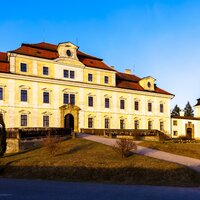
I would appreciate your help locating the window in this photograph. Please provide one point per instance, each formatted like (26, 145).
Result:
(65, 98)
(66, 73)
(23, 67)
(162, 126)
(107, 102)
(69, 98)
(90, 122)
(122, 104)
(175, 122)
(72, 99)
(149, 125)
(1, 93)
(90, 101)
(107, 124)
(45, 71)
(136, 105)
(122, 124)
(24, 95)
(161, 108)
(45, 121)
(45, 97)
(72, 74)
(136, 124)
(106, 79)
(90, 77)
(24, 120)
(149, 107)
(175, 133)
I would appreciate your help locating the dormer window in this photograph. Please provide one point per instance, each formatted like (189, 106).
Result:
(106, 79)
(149, 85)
(90, 77)
(23, 67)
(45, 71)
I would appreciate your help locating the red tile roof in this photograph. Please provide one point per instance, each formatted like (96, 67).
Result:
(130, 81)
(4, 64)
(186, 117)
(49, 51)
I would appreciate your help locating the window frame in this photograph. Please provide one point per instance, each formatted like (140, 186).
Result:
(66, 100)
(106, 79)
(149, 106)
(72, 74)
(45, 71)
(1, 93)
(23, 67)
(90, 77)
(24, 95)
(106, 123)
(90, 101)
(162, 126)
(136, 105)
(107, 102)
(46, 120)
(161, 108)
(90, 122)
(122, 104)
(45, 96)
(136, 124)
(150, 125)
(122, 124)
(65, 73)
(24, 120)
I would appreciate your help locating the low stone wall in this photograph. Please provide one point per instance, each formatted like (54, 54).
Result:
(136, 134)
(17, 145)
(22, 139)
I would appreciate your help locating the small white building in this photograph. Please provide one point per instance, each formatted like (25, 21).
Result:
(187, 126)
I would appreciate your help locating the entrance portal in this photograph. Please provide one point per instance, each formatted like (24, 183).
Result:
(69, 121)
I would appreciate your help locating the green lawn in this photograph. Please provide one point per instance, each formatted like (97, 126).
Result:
(184, 149)
(82, 160)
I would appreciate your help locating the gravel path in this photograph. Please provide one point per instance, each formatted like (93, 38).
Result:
(183, 160)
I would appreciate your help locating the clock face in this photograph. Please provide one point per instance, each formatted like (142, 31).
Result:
(69, 53)
(149, 84)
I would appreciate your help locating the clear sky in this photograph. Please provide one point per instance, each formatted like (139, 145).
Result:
(160, 38)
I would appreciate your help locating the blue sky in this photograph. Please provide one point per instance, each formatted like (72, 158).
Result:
(160, 38)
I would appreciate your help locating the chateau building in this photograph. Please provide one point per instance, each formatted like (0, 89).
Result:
(46, 85)
(187, 126)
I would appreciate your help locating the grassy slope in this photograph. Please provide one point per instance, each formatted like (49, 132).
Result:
(191, 149)
(82, 160)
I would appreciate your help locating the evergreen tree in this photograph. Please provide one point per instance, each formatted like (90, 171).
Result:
(2, 136)
(175, 111)
(188, 111)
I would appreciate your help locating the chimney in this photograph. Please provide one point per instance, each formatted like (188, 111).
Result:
(181, 113)
(127, 71)
(113, 67)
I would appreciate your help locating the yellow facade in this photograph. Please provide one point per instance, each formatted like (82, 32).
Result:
(56, 85)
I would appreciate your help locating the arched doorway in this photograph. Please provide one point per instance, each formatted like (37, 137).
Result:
(69, 121)
(189, 133)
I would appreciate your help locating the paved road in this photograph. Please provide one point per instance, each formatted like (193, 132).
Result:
(183, 160)
(12, 189)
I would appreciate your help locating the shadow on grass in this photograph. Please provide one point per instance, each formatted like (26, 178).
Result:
(76, 148)
(22, 152)
(127, 175)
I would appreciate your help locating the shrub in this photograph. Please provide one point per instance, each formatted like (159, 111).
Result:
(51, 143)
(2, 136)
(124, 147)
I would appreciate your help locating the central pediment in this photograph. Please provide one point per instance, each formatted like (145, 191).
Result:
(68, 54)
